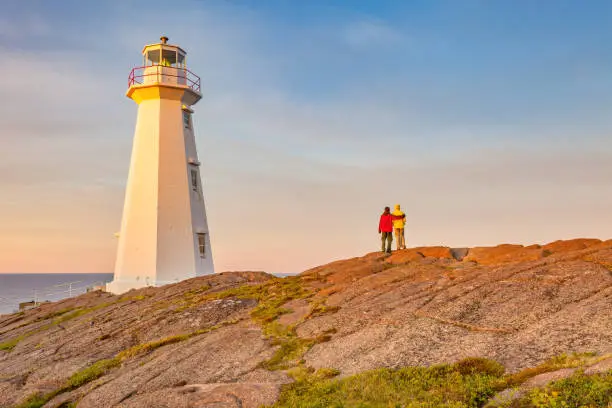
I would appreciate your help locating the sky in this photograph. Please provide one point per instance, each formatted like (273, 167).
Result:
(488, 121)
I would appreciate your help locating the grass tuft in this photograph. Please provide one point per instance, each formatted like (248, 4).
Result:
(138, 297)
(33, 401)
(89, 374)
(10, 344)
(102, 367)
(288, 354)
(59, 317)
(54, 314)
(76, 380)
(477, 365)
(71, 315)
(326, 373)
(555, 363)
(146, 348)
(303, 373)
(270, 297)
(277, 331)
(291, 350)
(319, 309)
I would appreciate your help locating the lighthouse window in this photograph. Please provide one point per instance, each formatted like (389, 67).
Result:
(187, 119)
(168, 58)
(202, 245)
(153, 57)
(194, 180)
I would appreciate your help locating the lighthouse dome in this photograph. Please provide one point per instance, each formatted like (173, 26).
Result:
(164, 65)
(164, 54)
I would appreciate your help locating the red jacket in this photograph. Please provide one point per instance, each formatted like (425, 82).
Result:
(386, 223)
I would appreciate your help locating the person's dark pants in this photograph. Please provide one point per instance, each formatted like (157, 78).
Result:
(386, 236)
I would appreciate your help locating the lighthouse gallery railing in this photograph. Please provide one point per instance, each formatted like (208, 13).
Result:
(161, 74)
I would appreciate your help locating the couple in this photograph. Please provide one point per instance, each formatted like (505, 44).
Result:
(390, 221)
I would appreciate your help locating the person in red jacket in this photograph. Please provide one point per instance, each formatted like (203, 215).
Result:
(385, 228)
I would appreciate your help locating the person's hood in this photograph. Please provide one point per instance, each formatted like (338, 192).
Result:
(398, 212)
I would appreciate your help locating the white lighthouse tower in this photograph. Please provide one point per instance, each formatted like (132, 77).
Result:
(164, 234)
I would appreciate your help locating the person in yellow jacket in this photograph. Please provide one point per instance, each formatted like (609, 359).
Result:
(398, 227)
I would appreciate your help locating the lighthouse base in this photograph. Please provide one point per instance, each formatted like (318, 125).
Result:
(118, 287)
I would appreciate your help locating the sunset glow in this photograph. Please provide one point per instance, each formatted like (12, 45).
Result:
(488, 122)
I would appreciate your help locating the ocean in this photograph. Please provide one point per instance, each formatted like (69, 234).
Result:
(24, 287)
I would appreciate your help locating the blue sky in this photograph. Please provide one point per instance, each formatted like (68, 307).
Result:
(489, 121)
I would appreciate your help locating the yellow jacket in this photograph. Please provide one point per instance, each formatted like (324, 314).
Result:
(399, 223)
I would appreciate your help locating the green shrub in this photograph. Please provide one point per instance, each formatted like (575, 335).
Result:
(477, 365)
(579, 390)
(88, 374)
(10, 344)
(437, 386)
(469, 383)
(33, 401)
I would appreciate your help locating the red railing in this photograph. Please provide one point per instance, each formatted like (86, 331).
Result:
(161, 74)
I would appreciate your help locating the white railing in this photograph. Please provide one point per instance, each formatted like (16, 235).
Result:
(52, 293)
(159, 74)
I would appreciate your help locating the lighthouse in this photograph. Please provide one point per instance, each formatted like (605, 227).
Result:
(164, 235)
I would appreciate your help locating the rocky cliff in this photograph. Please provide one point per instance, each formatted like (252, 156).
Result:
(235, 339)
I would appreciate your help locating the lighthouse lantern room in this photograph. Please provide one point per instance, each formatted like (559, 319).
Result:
(164, 234)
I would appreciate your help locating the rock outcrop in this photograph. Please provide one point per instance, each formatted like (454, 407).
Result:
(206, 340)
